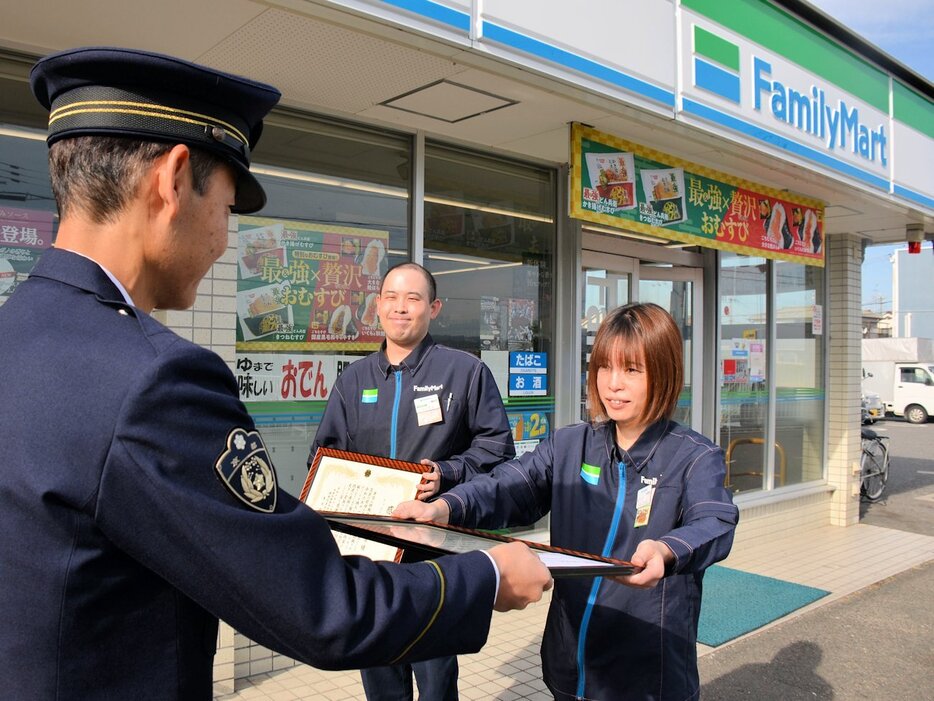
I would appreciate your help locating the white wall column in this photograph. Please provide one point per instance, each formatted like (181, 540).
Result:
(844, 323)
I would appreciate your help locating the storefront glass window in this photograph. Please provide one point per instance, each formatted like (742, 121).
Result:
(308, 270)
(743, 381)
(798, 383)
(327, 173)
(489, 241)
(799, 373)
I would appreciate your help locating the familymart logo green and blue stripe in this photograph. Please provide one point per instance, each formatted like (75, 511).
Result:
(716, 65)
(590, 473)
(369, 396)
(773, 86)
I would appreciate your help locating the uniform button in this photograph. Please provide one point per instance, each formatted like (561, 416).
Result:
(123, 312)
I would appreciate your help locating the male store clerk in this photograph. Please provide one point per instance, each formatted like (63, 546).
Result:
(416, 400)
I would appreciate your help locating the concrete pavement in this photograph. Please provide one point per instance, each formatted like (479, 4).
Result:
(877, 643)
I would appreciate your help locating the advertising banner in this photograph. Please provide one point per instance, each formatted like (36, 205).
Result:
(24, 235)
(286, 377)
(620, 184)
(306, 286)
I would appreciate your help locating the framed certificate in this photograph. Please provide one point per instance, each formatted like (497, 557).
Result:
(441, 539)
(339, 480)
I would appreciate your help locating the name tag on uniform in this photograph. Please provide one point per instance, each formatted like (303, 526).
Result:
(644, 502)
(428, 409)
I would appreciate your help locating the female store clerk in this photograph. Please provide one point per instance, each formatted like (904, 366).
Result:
(634, 485)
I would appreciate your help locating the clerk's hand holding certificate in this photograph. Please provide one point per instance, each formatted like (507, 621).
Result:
(436, 511)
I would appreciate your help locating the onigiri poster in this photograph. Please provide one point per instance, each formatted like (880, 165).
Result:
(620, 184)
(306, 286)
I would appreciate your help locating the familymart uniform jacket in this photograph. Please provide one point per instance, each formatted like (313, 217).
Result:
(439, 403)
(604, 640)
(138, 504)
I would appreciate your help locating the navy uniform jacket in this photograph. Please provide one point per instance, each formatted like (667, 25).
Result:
(604, 640)
(372, 410)
(121, 543)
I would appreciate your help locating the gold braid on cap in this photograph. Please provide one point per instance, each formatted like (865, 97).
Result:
(143, 109)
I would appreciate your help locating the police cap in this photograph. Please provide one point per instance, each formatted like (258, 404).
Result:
(109, 91)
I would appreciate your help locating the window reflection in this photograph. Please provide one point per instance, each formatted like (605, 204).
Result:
(28, 219)
(677, 298)
(743, 382)
(798, 382)
(604, 290)
(489, 241)
(350, 187)
(799, 371)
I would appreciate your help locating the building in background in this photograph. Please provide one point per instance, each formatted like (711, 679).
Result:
(912, 298)
(725, 160)
(876, 325)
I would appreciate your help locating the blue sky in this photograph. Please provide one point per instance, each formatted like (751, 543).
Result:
(904, 29)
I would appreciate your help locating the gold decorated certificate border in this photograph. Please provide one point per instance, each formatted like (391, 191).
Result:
(339, 480)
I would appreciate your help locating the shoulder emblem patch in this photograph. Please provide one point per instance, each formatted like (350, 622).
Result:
(246, 470)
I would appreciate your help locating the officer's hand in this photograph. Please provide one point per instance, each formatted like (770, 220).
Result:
(522, 576)
(431, 481)
(436, 511)
(652, 556)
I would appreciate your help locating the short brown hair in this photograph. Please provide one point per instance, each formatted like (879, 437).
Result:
(429, 278)
(644, 334)
(99, 175)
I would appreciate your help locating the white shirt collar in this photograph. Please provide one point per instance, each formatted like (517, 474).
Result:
(114, 280)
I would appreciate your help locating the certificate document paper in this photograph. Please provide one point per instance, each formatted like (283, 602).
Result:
(362, 484)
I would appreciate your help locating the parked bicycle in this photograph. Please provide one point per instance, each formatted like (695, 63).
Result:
(873, 464)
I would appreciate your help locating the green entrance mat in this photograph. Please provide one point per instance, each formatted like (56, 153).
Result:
(736, 602)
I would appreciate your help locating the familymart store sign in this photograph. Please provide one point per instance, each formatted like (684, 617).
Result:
(837, 118)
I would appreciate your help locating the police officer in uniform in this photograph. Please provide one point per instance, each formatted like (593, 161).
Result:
(137, 501)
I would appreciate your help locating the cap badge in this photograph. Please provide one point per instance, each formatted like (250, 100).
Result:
(246, 470)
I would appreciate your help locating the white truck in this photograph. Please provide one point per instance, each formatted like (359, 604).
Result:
(901, 372)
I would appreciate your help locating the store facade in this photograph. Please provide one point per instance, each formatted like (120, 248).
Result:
(728, 165)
